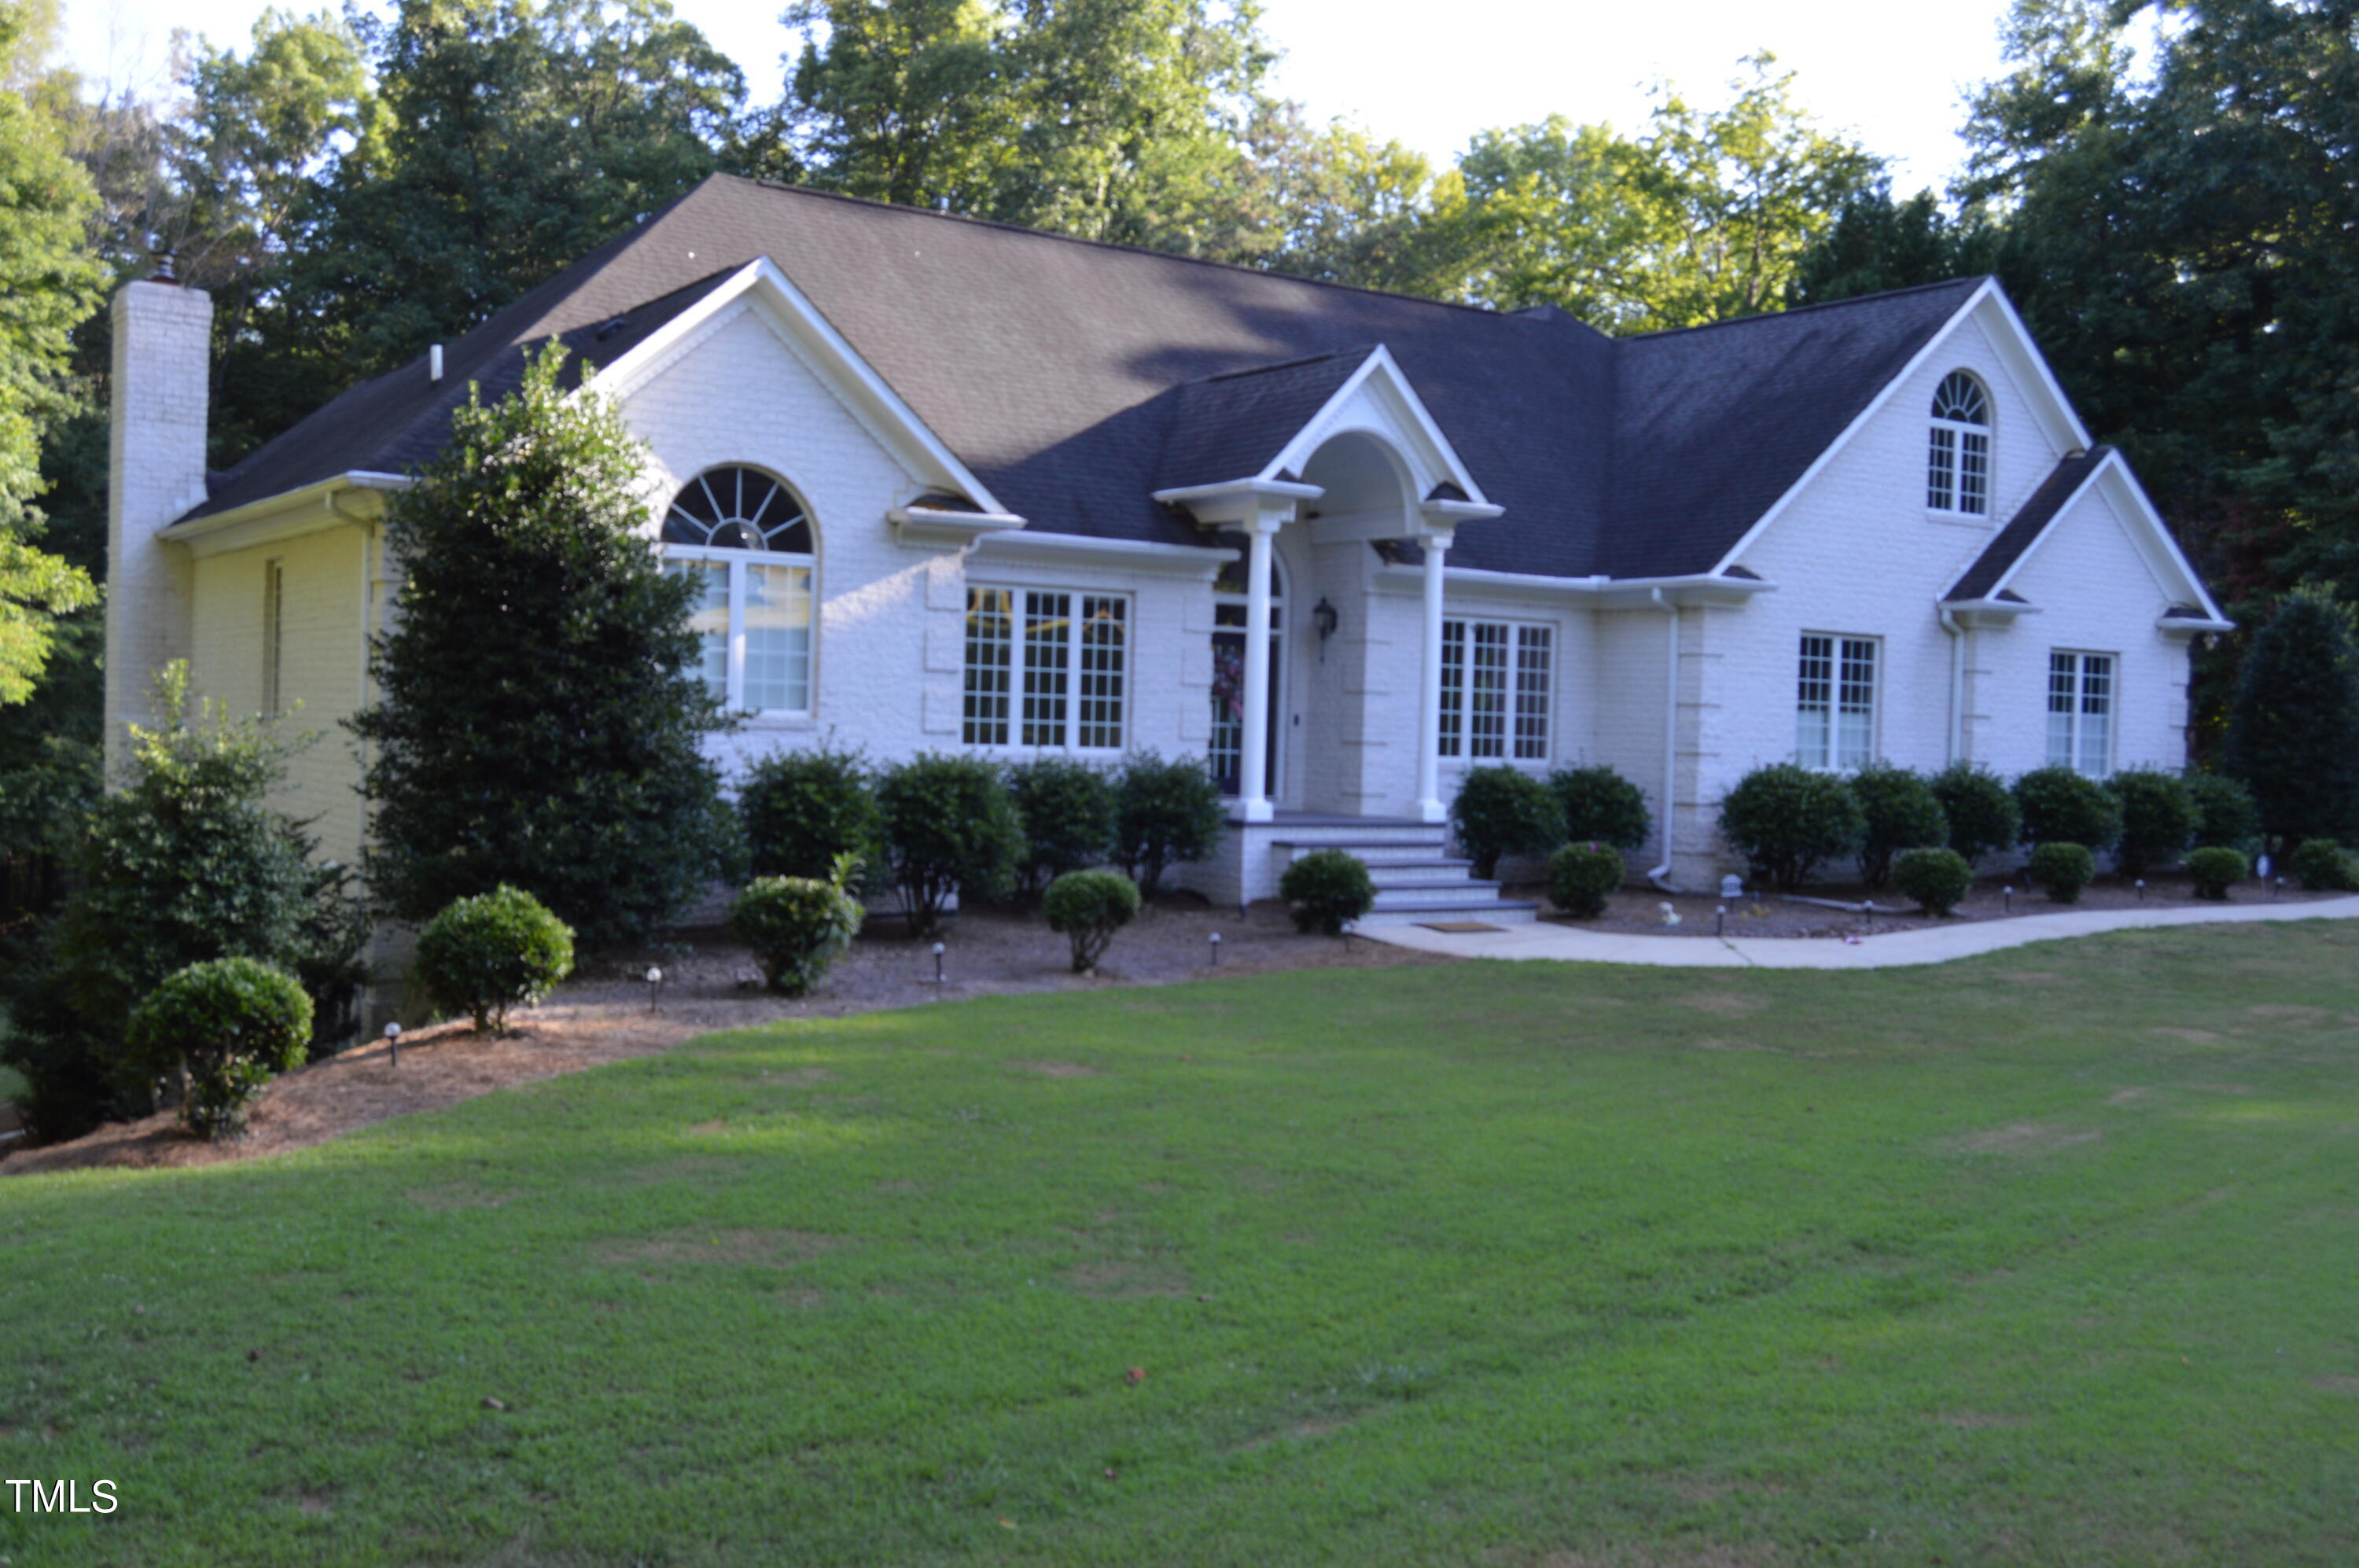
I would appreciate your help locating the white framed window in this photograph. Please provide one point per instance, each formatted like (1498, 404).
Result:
(1834, 702)
(1045, 668)
(274, 635)
(747, 541)
(1958, 457)
(2080, 711)
(1496, 677)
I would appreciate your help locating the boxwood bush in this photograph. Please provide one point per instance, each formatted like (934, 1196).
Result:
(226, 1025)
(1067, 808)
(2324, 865)
(948, 828)
(2216, 869)
(1600, 806)
(1087, 907)
(1898, 810)
(1786, 819)
(1980, 808)
(499, 950)
(1504, 811)
(1326, 890)
(1165, 813)
(2225, 811)
(2064, 868)
(1938, 879)
(1580, 876)
(797, 925)
(2060, 805)
(2159, 817)
(801, 810)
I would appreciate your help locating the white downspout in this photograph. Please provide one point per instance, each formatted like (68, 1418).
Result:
(1957, 682)
(1670, 737)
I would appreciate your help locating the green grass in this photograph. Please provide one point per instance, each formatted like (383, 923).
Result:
(2046, 1260)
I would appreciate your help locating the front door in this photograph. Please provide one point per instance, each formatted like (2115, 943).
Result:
(1227, 752)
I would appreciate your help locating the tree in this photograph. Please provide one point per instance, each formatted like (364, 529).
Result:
(1701, 218)
(1877, 243)
(182, 863)
(49, 281)
(542, 718)
(2293, 726)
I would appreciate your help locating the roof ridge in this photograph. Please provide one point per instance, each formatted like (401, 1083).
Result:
(1359, 350)
(780, 185)
(1759, 316)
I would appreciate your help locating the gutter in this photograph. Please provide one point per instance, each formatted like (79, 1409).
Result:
(1670, 738)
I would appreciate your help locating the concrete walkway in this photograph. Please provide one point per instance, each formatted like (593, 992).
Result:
(1936, 944)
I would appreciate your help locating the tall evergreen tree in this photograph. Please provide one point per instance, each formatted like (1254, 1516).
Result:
(2293, 725)
(541, 712)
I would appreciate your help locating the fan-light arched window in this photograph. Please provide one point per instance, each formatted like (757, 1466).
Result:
(1958, 461)
(747, 542)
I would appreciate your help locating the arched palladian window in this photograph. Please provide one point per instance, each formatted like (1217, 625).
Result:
(1957, 461)
(747, 541)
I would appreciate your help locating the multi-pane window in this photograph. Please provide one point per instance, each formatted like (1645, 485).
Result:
(2080, 711)
(1958, 458)
(1834, 705)
(747, 543)
(1495, 690)
(1065, 689)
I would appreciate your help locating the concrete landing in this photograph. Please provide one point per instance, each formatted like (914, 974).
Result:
(1939, 944)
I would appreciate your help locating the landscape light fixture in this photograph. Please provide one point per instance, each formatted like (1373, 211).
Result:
(1720, 920)
(655, 986)
(2008, 894)
(393, 1042)
(2141, 888)
(1216, 950)
(2276, 886)
(938, 964)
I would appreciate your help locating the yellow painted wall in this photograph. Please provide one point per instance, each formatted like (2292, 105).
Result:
(322, 662)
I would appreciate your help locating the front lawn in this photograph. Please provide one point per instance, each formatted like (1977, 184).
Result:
(2044, 1258)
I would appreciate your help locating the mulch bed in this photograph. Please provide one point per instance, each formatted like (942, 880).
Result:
(603, 1014)
(1639, 911)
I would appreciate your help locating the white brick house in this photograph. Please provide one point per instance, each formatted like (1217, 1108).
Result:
(955, 486)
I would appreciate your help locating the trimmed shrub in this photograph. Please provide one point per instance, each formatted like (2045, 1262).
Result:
(1938, 879)
(1164, 813)
(1067, 808)
(1786, 819)
(498, 950)
(2060, 805)
(2224, 813)
(225, 1026)
(1600, 805)
(2064, 868)
(1983, 816)
(2293, 723)
(2158, 818)
(803, 809)
(797, 925)
(2324, 865)
(2217, 869)
(1089, 907)
(948, 828)
(1504, 811)
(1901, 812)
(1327, 889)
(1580, 876)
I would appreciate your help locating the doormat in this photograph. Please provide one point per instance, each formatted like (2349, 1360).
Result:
(1458, 928)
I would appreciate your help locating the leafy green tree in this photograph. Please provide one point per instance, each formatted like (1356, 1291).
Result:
(1702, 217)
(542, 718)
(2293, 727)
(185, 862)
(49, 281)
(1877, 242)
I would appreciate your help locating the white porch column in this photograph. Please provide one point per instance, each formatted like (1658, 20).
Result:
(1429, 807)
(1253, 785)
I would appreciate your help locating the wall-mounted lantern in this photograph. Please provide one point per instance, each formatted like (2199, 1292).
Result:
(1324, 617)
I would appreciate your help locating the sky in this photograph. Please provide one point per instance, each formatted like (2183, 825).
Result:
(1386, 65)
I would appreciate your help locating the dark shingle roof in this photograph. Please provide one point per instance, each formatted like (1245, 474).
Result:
(1076, 379)
(2025, 528)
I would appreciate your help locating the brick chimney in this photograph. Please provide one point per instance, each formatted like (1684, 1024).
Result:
(156, 471)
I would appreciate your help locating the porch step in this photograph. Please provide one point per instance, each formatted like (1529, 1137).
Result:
(1357, 835)
(1420, 873)
(1498, 912)
(1465, 895)
(1401, 852)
